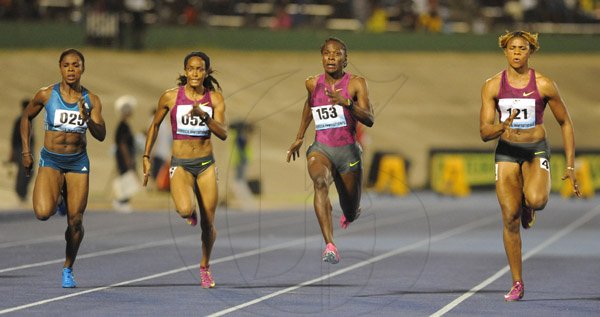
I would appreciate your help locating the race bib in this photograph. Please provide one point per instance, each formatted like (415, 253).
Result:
(328, 117)
(192, 125)
(69, 121)
(525, 118)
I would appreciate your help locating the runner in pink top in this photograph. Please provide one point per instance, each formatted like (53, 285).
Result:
(197, 111)
(336, 101)
(519, 94)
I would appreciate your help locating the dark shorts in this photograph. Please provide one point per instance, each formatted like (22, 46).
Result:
(65, 163)
(195, 166)
(344, 158)
(521, 152)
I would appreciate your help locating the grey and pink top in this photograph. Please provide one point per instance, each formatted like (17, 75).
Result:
(186, 127)
(528, 102)
(334, 124)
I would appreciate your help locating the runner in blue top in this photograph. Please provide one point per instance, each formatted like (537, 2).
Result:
(63, 174)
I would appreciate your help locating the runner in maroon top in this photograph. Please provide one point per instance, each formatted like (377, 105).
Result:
(520, 94)
(336, 101)
(197, 110)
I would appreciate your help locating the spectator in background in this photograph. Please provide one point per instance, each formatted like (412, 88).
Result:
(14, 156)
(241, 153)
(137, 10)
(361, 10)
(281, 19)
(126, 184)
(431, 20)
(378, 21)
(161, 157)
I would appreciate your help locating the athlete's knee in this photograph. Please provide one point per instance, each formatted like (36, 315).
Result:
(186, 211)
(75, 223)
(321, 183)
(511, 219)
(41, 217)
(41, 213)
(536, 201)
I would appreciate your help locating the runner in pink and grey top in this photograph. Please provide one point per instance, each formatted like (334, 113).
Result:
(335, 124)
(186, 127)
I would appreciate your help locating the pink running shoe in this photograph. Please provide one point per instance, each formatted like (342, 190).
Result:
(331, 255)
(344, 223)
(516, 292)
(192, 220)
(206, 280)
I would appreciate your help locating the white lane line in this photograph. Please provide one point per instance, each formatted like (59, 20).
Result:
(61, 237)
(462, 229)
(164, 242)
(568, 229)
(250, 253)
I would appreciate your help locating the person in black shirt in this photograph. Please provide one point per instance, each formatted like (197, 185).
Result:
(14, 156)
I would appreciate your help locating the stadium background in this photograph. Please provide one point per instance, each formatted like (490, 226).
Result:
(425, 88)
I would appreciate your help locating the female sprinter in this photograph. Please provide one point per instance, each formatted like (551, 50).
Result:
(197, 110)
(63, 175)
(520, 94)
(336, 101)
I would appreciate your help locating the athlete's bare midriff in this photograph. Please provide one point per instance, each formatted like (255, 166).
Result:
(64, 142)
(538, 133)
(192, 148)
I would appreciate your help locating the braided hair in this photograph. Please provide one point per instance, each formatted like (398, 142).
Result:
(209, 82)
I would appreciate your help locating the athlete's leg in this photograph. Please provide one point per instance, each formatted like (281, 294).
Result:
(536, 182)
(45, 192)
(509, 190)
(319, 169)
(349, 189)
(77, 196)
(182, 192)
(207, 201)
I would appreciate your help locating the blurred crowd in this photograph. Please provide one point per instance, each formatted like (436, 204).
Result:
(476, 16)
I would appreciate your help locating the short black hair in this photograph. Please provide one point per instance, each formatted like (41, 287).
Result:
(71, 51)
(335, 39)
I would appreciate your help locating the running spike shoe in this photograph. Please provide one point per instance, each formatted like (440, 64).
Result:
(344, 223)
(330, 254)
(68, 280)
(516, 292)
(192, 220)
(206, 280)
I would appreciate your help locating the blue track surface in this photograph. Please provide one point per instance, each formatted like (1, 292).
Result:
(422, 255)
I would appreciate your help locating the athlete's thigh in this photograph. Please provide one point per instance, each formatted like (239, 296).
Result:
(77, 192)
(348, 186)
(509, 187)
(319, 167)
(182, 189)
(536, 177)
(48, 183)
(208, 190)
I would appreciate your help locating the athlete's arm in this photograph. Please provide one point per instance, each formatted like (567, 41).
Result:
(217, 123)
(360, 106)
(29, 113)
(96, 122)
(166, 100)
(305, 120)
(487, 129)
(549, 90)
